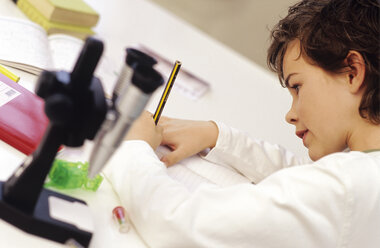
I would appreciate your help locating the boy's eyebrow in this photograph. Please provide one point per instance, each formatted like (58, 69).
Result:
(288, 78)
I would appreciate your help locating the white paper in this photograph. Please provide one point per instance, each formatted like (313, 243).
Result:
(64, 51)
(23, 45)
(195, 171)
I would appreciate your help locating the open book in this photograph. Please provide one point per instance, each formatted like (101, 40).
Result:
(195, 171)
(25, 45)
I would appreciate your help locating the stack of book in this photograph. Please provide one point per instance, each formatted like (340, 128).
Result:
(72, 17)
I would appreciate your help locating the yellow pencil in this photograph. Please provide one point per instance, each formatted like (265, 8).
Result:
(166, 92)
(9, 74)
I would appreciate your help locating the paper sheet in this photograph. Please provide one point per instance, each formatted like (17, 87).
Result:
(23, 45)
(64, 51)
(195, 171)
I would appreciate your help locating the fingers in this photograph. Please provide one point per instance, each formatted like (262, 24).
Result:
(177, 155)
(164, 120)
(145, 129)
(146, 114)
(172, 158)
(184, 137)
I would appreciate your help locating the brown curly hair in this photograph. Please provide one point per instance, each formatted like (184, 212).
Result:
(328, 30)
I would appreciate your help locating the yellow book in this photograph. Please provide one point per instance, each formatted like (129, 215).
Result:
(72, 12)
(52, 27)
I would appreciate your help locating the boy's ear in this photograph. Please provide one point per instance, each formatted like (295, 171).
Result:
(356, 74)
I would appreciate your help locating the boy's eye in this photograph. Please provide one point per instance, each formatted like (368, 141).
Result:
(296, 87)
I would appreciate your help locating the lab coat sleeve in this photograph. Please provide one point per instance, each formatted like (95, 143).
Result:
(284, 210)
(254, 158)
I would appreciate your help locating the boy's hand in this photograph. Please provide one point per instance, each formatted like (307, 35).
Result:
(145, 129)
(186, 138)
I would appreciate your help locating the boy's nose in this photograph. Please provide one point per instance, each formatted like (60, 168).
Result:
(291, 116)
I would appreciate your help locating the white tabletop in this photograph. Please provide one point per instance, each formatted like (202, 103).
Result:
(242, 95)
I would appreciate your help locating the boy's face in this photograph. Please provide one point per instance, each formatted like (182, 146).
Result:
(322, 109)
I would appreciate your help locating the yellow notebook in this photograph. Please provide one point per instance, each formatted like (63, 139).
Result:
(52, 27)
(73, 12)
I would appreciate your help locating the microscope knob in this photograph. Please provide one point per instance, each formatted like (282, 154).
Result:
(59, 109)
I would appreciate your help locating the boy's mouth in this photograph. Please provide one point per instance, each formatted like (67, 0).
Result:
(301, 133)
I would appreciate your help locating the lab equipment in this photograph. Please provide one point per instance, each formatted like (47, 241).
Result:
(133, 59)
(119, 216)
(72, 175)
(76, 107)
(127, 106)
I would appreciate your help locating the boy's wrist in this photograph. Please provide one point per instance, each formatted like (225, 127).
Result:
(212, 133)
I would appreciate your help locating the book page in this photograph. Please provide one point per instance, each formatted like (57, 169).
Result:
(23, 45)
(107, 72)
(65, 51)
(195, 171)
(187, 177)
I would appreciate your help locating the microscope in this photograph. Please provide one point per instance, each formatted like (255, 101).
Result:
(76, 107)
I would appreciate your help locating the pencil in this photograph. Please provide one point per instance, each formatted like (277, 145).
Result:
(166, 92)
(9, 74)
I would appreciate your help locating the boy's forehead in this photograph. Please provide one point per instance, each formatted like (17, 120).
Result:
(292, 52)
(292, 57)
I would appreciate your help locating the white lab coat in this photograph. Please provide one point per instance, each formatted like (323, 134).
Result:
(333, 202)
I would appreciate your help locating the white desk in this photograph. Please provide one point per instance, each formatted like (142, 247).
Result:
(242, 95)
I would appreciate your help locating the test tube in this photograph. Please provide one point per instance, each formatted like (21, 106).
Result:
(118, 214)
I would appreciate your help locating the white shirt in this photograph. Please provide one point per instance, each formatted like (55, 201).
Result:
(333, 202)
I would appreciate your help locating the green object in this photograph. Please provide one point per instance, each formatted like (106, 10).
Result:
(52, 27)
(72, 12)
(72, 175)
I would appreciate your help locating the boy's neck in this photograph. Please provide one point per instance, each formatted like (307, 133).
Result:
(365, 137)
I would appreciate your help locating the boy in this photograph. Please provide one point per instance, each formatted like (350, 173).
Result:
(326, 52)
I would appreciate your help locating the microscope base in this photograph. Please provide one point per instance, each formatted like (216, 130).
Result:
(43, 221)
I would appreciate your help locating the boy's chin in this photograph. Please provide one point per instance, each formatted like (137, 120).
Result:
(315, 155)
